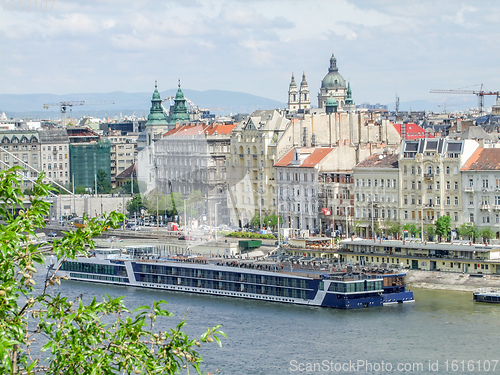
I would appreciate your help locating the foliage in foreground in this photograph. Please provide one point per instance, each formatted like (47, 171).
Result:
(51, 334)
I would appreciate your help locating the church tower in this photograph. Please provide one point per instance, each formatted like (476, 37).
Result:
(179, 113)
(304, 99)
(293, 96)
(332, 85)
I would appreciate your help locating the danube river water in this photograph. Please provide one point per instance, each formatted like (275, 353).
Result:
(442, 332)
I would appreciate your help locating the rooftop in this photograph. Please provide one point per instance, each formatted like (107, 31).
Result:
(379, 161)
(483, 159)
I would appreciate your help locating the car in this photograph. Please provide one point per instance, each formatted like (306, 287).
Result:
(52, 234)
(186, 238)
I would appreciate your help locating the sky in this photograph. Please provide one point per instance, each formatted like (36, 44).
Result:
(384, 48)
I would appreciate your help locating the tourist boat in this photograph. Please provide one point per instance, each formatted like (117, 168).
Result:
(486, 295)
(232, 277)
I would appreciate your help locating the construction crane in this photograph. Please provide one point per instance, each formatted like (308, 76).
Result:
(65, 105)
(480, 94)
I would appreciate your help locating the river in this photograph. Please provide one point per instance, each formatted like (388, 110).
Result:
(442, 332)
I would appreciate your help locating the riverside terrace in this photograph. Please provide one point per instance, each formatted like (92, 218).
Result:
(429, 256)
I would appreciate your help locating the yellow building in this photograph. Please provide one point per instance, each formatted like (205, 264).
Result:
(466, 258)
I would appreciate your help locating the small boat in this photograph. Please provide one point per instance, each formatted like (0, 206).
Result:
(488, 295)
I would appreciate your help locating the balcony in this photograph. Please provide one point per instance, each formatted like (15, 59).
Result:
(429, 205)
(485, 207)
(469, 189)
(242, 155)
(429, 176)
(496, 207)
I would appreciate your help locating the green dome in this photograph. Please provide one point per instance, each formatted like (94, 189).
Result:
(331, 102)
(333, 80)
(156, 115)
(179, 112)
(180, 94)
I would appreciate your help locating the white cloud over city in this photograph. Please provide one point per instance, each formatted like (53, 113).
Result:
(382, 47)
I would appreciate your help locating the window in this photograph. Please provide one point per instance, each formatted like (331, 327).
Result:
(438, 185)
(447, 185)
(447, 170)
(456, 201)
(412, 170)
(448, 201)
(357, 182)
(419, 185)
(485, 183)
(405, 171)
(456, 185)
(369, 182)
(471, 218)
(406, 214)
(437, 170)
(413, 185)
(438, 200)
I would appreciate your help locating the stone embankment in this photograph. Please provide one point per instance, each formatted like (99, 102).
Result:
(450, 280)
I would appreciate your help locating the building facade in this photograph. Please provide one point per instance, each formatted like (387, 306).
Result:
(55, 155)
(298, 186)
(481, 189)
(430, 180)
(376, 193)
(256, 143)
(21, 148)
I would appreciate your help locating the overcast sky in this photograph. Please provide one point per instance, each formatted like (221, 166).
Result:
(382, 47)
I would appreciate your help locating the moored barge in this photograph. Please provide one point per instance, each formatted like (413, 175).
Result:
(241, 279)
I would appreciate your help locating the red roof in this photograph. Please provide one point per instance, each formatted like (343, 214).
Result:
(315, 156)
(413, 131)
(483, 159)
(196, 129)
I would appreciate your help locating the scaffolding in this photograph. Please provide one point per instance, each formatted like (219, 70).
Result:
(88, 159)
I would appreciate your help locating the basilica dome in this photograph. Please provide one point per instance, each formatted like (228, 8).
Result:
(333, 80)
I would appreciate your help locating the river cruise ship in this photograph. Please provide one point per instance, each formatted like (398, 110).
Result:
(232, 277)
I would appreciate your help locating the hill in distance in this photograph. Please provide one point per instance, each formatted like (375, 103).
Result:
(220, 102)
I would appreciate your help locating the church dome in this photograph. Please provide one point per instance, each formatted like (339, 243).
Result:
(333, 80)
(331, 102)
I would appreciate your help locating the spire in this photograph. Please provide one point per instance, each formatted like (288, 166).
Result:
(333, 64)
(292, 83)
(304, 82)
(156, 115)
(179, 112)
(348, 100)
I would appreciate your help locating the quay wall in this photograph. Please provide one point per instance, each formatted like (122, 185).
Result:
(450, 280)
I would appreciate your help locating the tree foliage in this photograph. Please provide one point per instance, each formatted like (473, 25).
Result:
(272, 220)
(103, 182)
(73, 336)
(443, 226)
(135, 204)
(468, 230)
(138, 187)
(255, 221)
(486, 234)
(393, 228)
(412, 229)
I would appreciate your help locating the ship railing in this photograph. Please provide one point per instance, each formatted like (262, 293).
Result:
(356, 277)
(486, 290)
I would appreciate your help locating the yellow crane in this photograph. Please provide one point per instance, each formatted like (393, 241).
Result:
(64, 106)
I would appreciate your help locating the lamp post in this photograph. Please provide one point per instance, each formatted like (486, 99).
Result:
(260, 208)
(216, 204)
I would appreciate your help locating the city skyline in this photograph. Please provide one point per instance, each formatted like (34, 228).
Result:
(383, 48)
